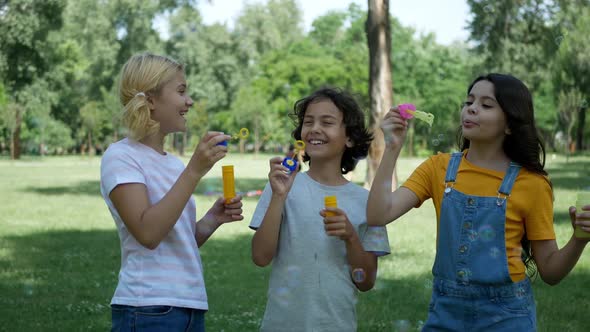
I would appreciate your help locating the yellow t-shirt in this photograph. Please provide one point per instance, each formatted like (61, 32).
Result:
(530, 204)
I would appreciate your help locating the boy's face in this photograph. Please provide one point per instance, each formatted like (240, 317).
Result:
(323, 131)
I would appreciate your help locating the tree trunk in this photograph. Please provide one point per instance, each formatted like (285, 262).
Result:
(242, 145)
(410, 139)
(580, 133)
(182, 144)
(172, 145)
(256, 136)
(91, 150)
(15, 137)
(377, 28)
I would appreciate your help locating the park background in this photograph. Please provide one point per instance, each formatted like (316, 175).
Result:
(59, 61)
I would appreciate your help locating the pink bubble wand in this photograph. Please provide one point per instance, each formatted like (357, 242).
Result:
(408, 111)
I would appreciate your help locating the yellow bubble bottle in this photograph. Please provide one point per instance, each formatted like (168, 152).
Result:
(229, 190)
(330, 201)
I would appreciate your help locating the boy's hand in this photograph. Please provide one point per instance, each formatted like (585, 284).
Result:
(394, 129)
(337, 224)
(279, 177)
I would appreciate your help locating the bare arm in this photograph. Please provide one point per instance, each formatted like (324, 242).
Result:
(358, 258)
(149, 224)
(553, 263)
(385, 205)
(339, 225)
(266, 238)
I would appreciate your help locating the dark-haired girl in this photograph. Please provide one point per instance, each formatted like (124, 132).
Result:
(494, 206)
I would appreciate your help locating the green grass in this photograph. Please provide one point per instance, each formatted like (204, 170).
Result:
(59, 253)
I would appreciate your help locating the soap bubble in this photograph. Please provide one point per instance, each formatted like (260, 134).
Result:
(358, 275)
(487, 233)
(402, 325)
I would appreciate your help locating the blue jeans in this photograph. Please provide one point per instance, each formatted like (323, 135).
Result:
(157, 318)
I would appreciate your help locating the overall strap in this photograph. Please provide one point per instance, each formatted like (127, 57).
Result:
(453, 167)
(508, 181)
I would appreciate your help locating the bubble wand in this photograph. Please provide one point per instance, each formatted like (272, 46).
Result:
(243, 133)
(408, 111)
(291, 163)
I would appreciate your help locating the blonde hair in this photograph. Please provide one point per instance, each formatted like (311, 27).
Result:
(143, 75)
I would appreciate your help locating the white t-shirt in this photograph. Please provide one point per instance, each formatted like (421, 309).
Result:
(171, 274)
(310, 286)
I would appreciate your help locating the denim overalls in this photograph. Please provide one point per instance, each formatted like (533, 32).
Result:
(472, 289)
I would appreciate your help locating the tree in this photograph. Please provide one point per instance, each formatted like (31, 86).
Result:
(380, 87)
(513, 36)
(251, 110)
(91, 117)
(569, 107)
(24, 26)
(4, 116)
(521, 37)
(572, 63)
(264, 27)
(37, 100)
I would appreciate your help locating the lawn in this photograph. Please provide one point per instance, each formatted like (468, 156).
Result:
(59, 253)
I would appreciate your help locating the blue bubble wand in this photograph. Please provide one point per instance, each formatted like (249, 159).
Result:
(291, 163)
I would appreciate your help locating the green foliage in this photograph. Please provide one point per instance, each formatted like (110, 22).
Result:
(544, 43)
(24, 27)
(265, 27)
(513, 36)
(70, 54)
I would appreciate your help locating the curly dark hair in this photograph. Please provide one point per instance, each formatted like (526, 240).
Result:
(524, 145)
(353, 118)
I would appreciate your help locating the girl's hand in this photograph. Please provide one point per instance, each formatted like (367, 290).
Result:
(581, 219)
(221, 212)
(338, 224)
(279, 177)
(207, 153)
(394, 129)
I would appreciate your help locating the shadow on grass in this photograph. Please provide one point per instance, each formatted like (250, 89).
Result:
(207, 186)
(64, 280)
(574, 175)
(58, 281)
(90, 188)
(215, 185)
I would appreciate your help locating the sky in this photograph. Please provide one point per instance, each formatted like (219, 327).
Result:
(446, 18)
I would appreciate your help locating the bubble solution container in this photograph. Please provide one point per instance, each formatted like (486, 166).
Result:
(291, 164)
(229, 190)
(583, 198)
(330, 201)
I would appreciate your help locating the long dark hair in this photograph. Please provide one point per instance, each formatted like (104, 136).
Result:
(352, 117)
(524, 144)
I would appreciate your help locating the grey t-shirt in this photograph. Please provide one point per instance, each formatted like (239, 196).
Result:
(310, 286)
